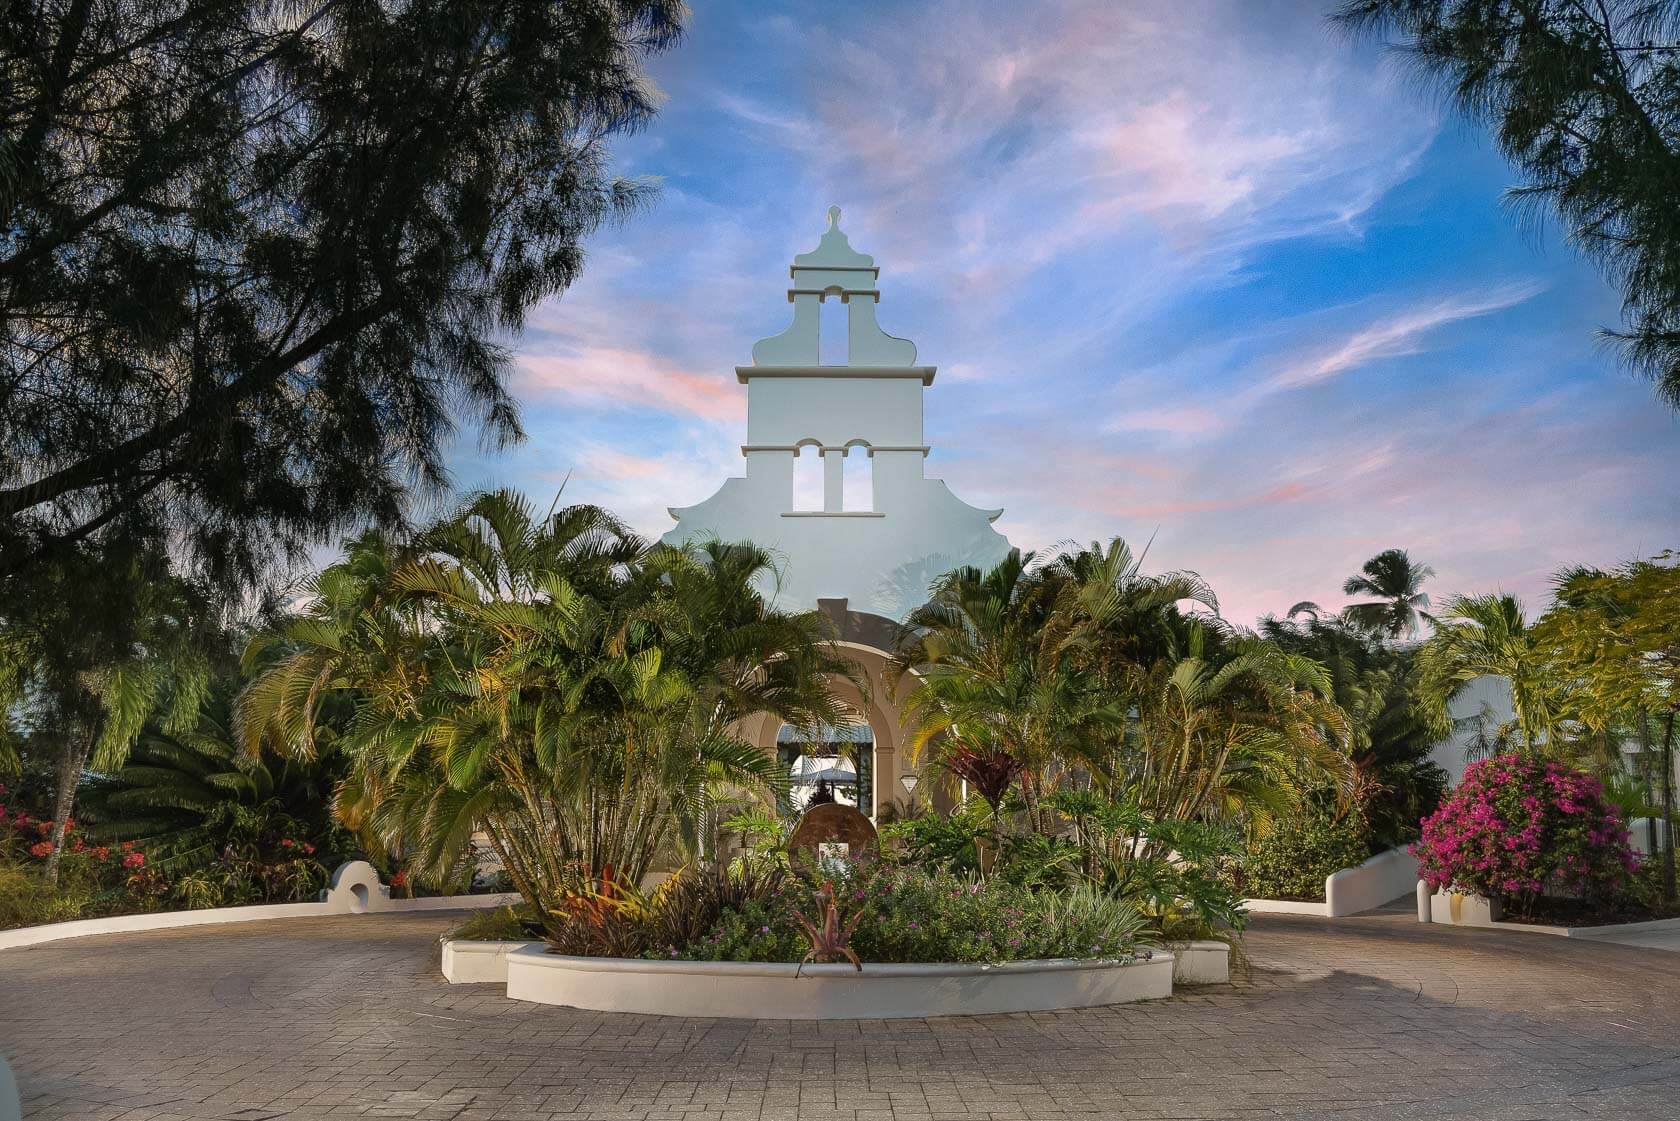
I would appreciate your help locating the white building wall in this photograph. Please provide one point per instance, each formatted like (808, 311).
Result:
(881, 551)
(1489, 697)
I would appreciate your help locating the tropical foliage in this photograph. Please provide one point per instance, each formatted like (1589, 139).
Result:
(550, 681)
(1117, 740)
(1375, 683)
(1081, 673)
(889, 912)
(195, 799)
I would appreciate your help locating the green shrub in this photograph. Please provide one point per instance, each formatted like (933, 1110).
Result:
(1292, 860)
(26, 899)
(937, 840)
(916, 915)
(496, 924)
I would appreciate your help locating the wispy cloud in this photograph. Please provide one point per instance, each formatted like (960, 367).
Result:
(1396, 334)
(1190, 267)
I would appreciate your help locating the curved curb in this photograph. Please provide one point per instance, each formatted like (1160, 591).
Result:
(355, 890)
(779, 991)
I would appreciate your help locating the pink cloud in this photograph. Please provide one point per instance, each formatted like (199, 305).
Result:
(1180, 421)
(1177, 154)
(629, 378)
(1284, 492)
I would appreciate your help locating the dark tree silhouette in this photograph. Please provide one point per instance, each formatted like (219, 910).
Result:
(1584, 98)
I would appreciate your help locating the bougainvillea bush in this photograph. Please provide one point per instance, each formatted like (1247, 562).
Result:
(1517, 828)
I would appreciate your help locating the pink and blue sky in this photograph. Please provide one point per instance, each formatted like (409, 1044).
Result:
(1202, 271)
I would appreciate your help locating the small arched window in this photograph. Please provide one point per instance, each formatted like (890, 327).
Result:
(808, 476)
(857, 481)
(832, 345)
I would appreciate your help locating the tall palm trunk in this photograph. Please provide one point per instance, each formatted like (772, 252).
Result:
(1668, 808)
(1654, 840)
(70, 766)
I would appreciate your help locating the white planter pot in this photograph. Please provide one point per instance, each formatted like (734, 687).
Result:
(1461, 908)
(777, 991)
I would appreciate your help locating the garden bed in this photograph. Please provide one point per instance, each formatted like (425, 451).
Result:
(1581, 913)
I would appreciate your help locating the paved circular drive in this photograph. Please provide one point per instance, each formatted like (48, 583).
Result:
(347, 1017)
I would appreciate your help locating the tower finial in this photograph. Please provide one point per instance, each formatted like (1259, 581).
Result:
(834, 217)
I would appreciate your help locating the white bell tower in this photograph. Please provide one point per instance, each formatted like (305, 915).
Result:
(880, 549)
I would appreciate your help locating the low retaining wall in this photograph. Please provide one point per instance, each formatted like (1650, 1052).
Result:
(1285, 907)
(467, 962)
(776, 991)
(470, 962)
(1384, 878)
(1458, 908)
(1649, 926)
(355, 890)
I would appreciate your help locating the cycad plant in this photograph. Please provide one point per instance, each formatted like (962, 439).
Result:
(194, 797)
(552, 682)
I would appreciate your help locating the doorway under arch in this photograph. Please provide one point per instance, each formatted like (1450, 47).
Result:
(838, 762)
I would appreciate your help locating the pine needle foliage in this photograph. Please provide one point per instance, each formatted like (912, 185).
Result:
(1583, 97)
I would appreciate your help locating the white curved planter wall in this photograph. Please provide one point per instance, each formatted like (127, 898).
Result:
(1384, 878)
(480, 962)
(775, 991)
(355, 890)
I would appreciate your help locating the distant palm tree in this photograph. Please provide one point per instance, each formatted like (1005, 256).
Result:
(1395, 580)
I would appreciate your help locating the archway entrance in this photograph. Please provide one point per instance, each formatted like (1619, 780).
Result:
(838, 763)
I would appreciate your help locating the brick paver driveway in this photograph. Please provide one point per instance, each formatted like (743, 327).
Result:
(1366, 1018)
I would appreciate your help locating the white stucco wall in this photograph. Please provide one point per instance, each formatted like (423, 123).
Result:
(881, 551)
(1488, 695)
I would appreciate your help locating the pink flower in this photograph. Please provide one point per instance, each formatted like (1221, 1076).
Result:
(134, 860)
(41, 849)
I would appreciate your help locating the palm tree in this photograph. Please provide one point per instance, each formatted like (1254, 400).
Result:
(996, 688)
(552, 682)
(1122, 616)
(1483, 636)
(1395, 580)
(1238, 739)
